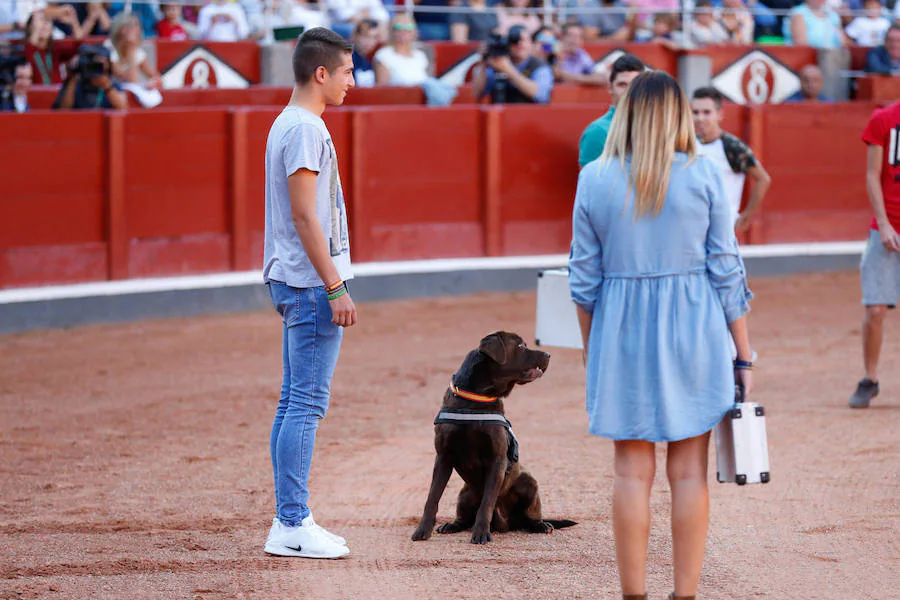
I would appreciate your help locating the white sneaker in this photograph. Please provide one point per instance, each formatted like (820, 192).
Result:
(307, 540)
(331, 536)
(276, 524)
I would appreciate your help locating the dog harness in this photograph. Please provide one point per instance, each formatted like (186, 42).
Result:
(462, 416)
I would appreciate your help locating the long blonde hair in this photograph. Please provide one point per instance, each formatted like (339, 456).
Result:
(652, 122)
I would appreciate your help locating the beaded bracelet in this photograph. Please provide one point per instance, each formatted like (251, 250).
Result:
(745, 365)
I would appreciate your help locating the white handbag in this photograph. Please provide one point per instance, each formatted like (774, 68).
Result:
(742, 451)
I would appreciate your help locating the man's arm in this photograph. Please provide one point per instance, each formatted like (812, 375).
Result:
(525, 85)
(66, 97)
(761, 181)
(875, 62)
(302, 188)
(585, 79)
(479, 80)
(874, 158)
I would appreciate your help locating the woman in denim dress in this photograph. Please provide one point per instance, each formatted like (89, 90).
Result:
(660, 288)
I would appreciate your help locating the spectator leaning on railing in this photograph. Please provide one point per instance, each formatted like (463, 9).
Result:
(575, 65)
(885, 59)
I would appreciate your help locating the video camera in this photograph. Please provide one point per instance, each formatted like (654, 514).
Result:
(91, 61)
(497, 46)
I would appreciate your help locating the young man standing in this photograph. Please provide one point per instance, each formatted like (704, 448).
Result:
(880, 266)
(732, 156)
(307, 261)
(624, 69)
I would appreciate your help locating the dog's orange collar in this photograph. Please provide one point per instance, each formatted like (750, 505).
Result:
(471, 396)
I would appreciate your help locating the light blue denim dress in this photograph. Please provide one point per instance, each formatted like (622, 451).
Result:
(661, 290)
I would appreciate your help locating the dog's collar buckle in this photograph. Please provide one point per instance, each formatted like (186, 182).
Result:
(470, 395)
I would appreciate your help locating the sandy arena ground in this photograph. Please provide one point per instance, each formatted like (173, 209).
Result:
(135, 462)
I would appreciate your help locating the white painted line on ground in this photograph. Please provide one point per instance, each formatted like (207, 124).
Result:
(374, 269)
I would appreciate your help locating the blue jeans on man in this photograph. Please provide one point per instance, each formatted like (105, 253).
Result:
(310, 347)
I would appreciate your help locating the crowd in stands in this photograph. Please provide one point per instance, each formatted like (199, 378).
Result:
(387, 38)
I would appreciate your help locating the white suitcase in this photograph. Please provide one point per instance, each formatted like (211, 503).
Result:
(557, 321)
(742, 452)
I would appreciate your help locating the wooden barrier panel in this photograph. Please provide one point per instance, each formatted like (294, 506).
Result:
(176, 187)
(817, 162)
(54, 183)
(655, 55)
(793, 57)
(536, 154)
(883, 89)
(243, 57)
(96, 195)
(447, 54)
(417, 183)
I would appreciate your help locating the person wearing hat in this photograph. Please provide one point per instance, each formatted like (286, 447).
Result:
(516, 76)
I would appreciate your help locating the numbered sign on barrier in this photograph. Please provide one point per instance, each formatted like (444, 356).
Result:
(757, 78)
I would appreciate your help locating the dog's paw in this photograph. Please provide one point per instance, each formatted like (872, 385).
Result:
(422, 532)
(452, 527)
(543, 527)
(481, 536)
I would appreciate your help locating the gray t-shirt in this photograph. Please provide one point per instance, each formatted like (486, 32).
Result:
(297, 140)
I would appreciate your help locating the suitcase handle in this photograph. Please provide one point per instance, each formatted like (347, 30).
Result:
(739, 393)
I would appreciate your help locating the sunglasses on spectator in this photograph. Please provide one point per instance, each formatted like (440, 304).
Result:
(404, 26)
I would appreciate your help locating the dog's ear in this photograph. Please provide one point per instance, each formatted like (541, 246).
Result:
(494, 346)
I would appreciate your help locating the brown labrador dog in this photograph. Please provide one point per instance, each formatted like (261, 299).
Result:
(472, 436)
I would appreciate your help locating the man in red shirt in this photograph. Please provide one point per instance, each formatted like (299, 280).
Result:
(880, 266)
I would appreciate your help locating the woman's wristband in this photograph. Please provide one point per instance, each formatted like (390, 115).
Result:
(745, 365)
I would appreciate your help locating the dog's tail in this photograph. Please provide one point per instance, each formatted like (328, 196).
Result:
(560, 523)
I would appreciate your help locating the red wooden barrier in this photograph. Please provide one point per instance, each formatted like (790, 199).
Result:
(878, 88)
(417, 183)
(53, 201)
(89, 196)
(793, 57)
(655, 55)
(176, 188)
(536, 149)
(817, 162)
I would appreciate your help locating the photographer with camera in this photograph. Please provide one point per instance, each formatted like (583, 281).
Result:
(90, 84)
(15, 81)
(511, 73)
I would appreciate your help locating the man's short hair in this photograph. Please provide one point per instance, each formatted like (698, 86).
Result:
(318, 47)
(627, 63)
(711, 93)
(515, 34)
(893, 27)
(364, 26)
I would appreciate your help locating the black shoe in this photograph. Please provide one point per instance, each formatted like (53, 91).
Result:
(865, 391)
